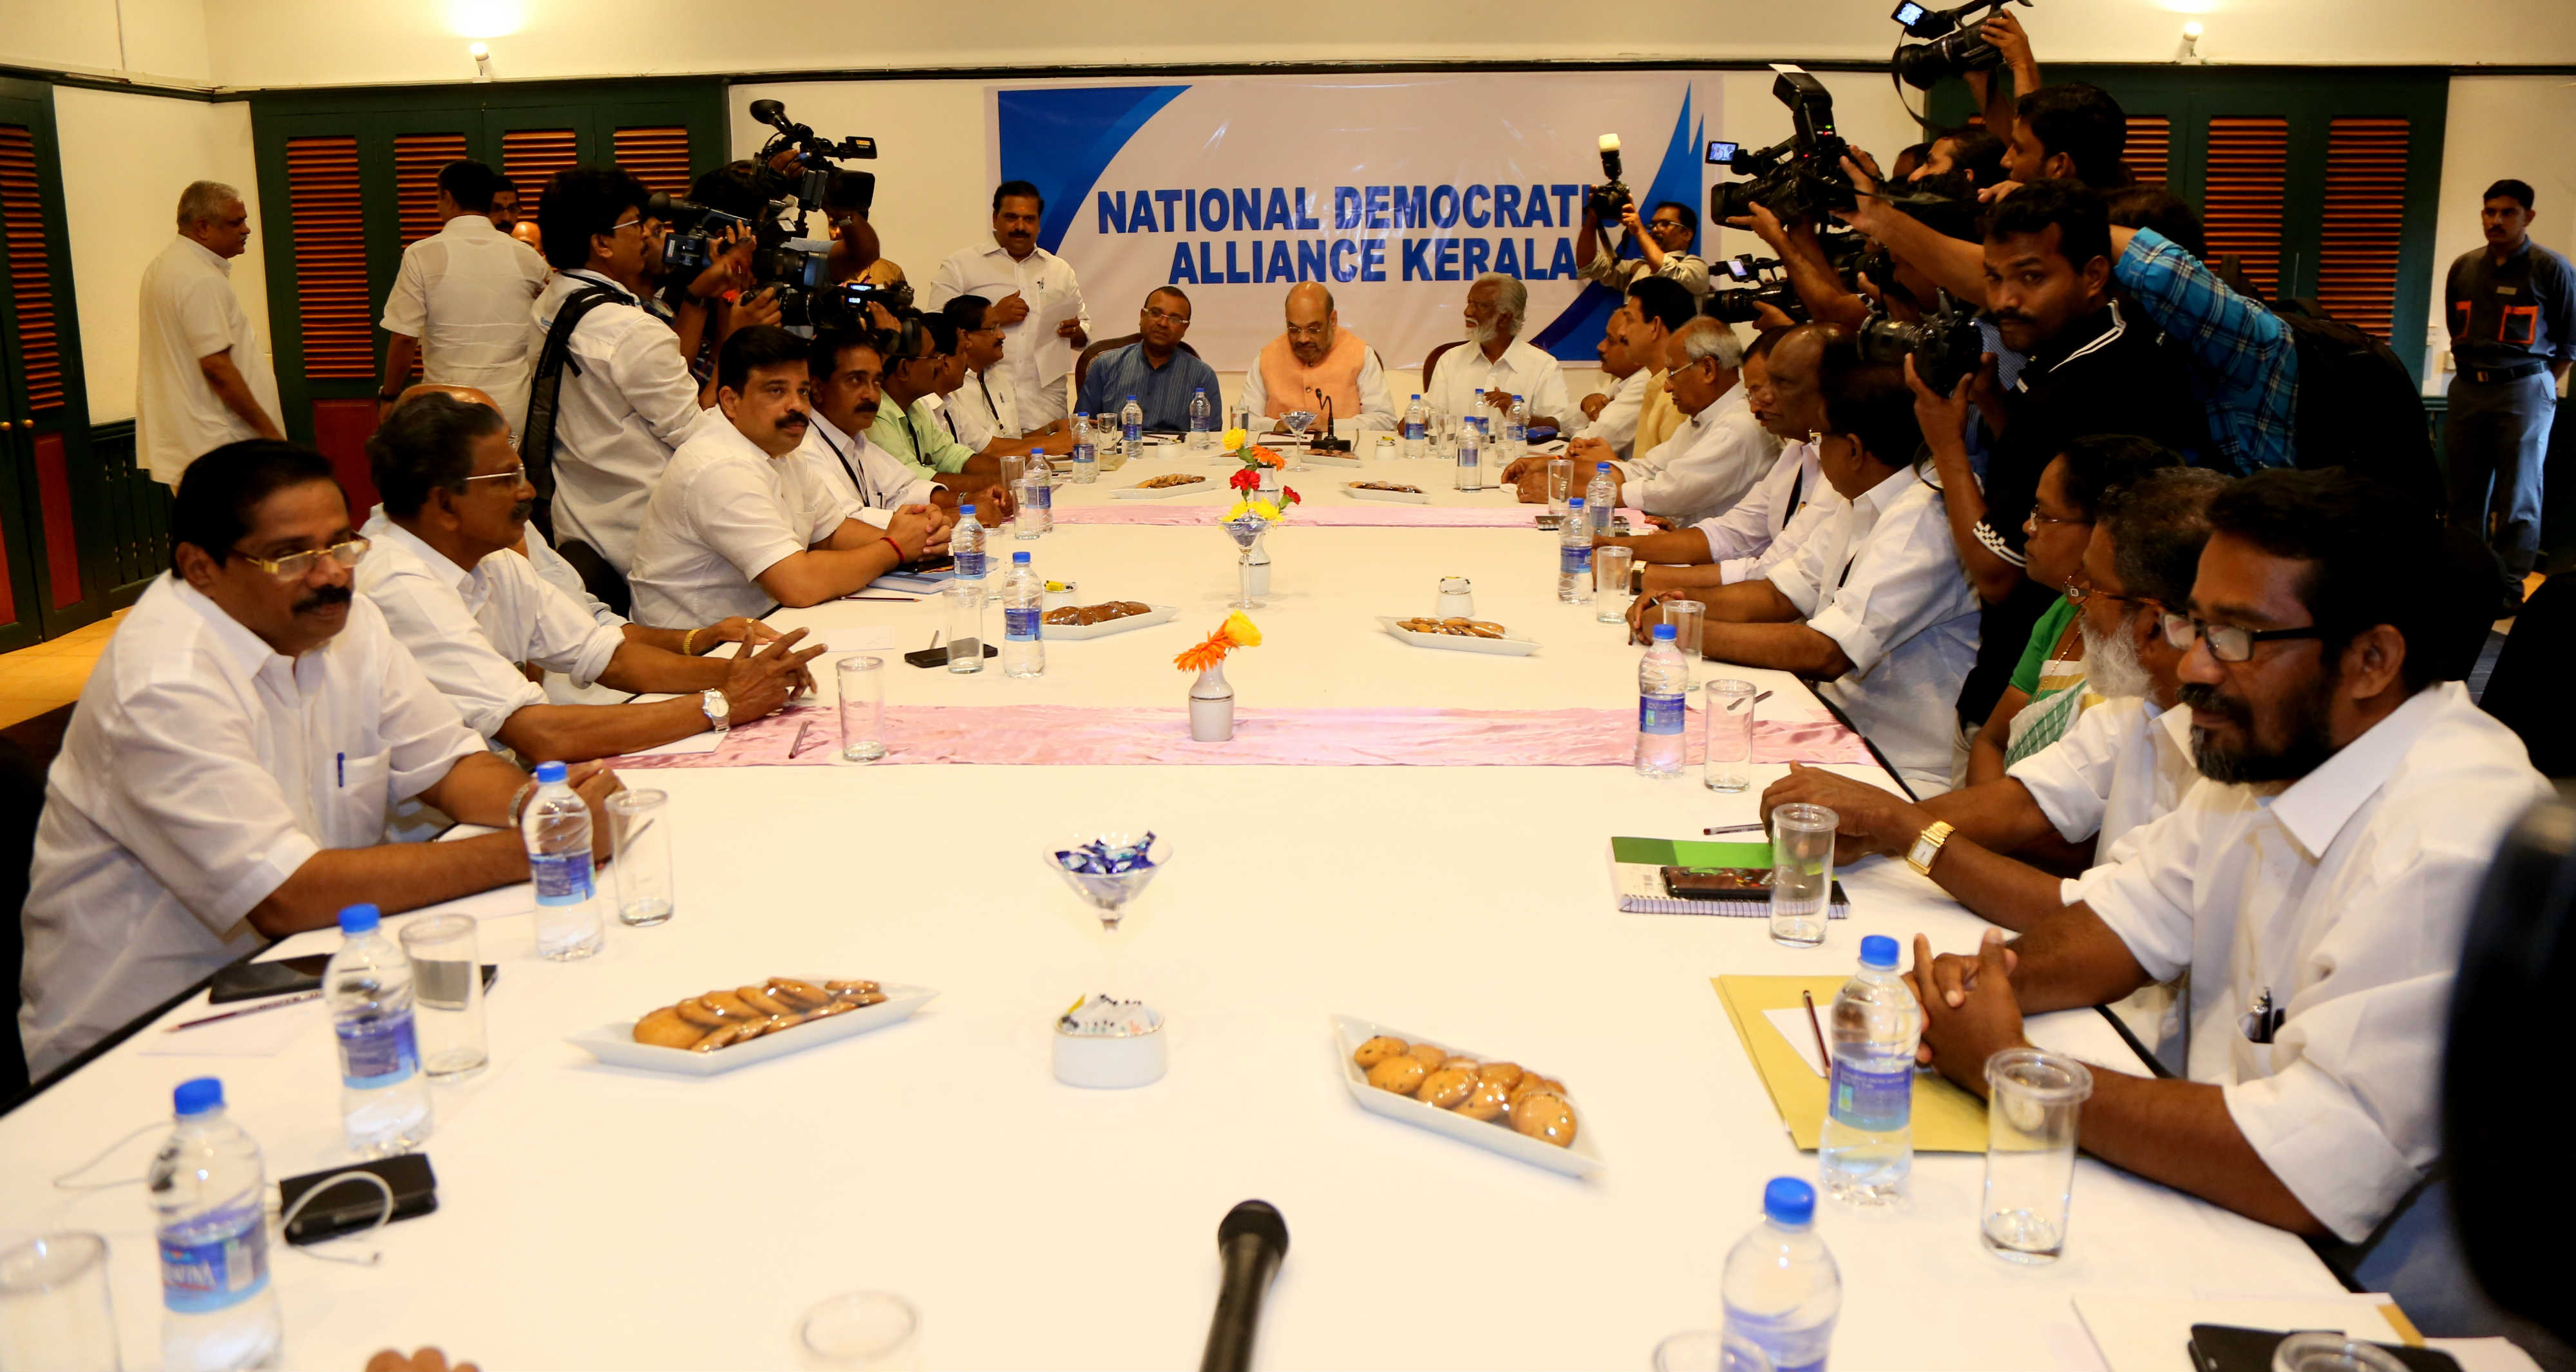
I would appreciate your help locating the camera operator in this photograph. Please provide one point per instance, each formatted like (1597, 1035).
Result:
(1037, 303)
(1666, 242)
(1994, 99)
(1972, 153)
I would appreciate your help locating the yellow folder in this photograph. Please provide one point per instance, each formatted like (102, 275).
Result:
(1946, 1119)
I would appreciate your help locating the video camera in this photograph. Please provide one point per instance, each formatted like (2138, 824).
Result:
(1801, 177)
(822, 182)
(1753, 281)
(1946, 346)
(1954, 48)
(795, 268)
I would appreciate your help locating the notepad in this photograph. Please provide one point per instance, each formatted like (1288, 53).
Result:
(1637, 878)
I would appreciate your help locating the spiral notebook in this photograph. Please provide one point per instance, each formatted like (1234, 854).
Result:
(1637, 878)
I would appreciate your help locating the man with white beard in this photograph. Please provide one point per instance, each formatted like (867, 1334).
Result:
(1498, 362)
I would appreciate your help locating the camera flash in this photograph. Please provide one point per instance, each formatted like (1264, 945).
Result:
(2191, 30)
(478, 51)
(1609, 142)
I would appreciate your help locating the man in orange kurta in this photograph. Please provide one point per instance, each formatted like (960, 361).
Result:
(1316, 358)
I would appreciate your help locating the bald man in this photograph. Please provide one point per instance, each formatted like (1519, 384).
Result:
(1316, 357)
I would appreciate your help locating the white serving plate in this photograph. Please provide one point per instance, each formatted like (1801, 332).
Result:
(1512, 646)
(1581, 1159)
(1201, 486)
(1393, 497)
(1158, 614)
(615, 1043)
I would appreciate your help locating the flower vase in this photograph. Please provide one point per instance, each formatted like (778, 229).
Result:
(1256, 573)
(1269, 487)
(1211, 706)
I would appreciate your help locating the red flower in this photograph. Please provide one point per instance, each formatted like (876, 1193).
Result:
(1288, 496)
(1244, 479)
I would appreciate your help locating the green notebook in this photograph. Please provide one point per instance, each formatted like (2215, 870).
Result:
(1637, 877)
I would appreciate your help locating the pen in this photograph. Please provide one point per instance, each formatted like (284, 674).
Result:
(297, 999)
(1754, 827)
(890, 599)
(1766, 695)
(1822, 1052)
(344, 771)
(799, 745)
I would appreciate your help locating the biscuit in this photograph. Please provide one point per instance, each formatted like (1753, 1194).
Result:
(1544, 1115)
(758, 998)
(701, 1014)
(1486, 1101)
(1403, 1076)
(726, 1037)
(1379, 1049)
(665, 1029)
(850, 988)
(1447, 1087)
(1503, 1074)
(805, 995)
(1430, 1055)
(730, 1005)
(831, 1008)
(1468, 1063)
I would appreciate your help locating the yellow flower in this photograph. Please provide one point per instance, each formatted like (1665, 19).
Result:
(1237, 511)
(1234, 439)
(1265, 509)
(1240, 631)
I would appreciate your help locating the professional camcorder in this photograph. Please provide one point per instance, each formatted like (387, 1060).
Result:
(820, 181)
(1753, 281)
(1955, 48)
(1801, 177)
(1946, 345)
(785, 262)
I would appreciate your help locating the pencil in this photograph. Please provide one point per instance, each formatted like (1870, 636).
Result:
(1754, 827)
(1824, 1054)
(297, 999)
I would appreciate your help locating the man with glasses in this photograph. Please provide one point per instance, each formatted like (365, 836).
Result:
(2316, 883)
(1158, 371)
(1664, 244)
(921, 363)
(982, 411)
(1314, 360)
(1708, 464)
(474, 614)
(228, 775)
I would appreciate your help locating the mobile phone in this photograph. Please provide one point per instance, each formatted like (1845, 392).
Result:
(929, 562)
(259, 980)
(347, 1206)
(2230, 1348)
(938, 657)
(1721, 154)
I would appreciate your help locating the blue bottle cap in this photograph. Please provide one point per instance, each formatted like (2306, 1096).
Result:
(1131, 397)
(1600, 466)
(1575, 504)
(965, 509)
(1037, 452)
(1417, 395)
(1663, 633)
(1516, 395)
(1200, 391)
(1787, 1200)
(1878, 953)
(363, 919)
(198, 1095)
(550, 772)
(1019, 559)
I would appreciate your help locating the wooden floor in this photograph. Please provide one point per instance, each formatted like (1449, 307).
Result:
(50, 674)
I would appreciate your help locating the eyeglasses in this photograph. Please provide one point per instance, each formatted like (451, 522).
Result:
(297, 566)
(2079, 593)
(2228, 642)
(2035, 518)
(514, 476)
(1166, 316)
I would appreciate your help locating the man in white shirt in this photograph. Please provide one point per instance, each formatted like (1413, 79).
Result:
(1037, 303)
(201, 378)
(1614, 416)
(1315, 359)
(472, 612)
(1496, 362)
(1764, 527)
(847, 371)
(1874, 605)
(982, 410)
(2316, 883)
(1717, 454)
(740, 523)
(459, 305)
(227, 777)
(626, 400)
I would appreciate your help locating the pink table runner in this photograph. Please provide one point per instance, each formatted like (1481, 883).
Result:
(1377, 515)
(1058, 735)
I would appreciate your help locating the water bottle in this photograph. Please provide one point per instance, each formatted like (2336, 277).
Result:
(1202, 422)
(1023, 594)
(1515, 432)
(1781, 1288)
(966, 545)
(1574, 558)
(1131, 428)
(1086, 452)
(1471, 459)
(1663, 696)
(1868, 1143)
(1037, 498)
(1603, 496)
(1417, 427)
(556, 829)
(209, 1201)
(384, 1099)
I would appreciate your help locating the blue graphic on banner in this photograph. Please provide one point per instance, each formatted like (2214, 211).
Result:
(1061, 140)
(1572, 334)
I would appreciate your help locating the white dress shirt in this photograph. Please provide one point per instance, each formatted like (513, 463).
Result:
(2339, 901)
(469, 628)
(554, 571)
(1881, 578)
(859, 472)
(200, 771)
(984, 409)
(1522, 370)
(1705, 467)
(1616, 425)
(464, 292)
(1033, 357)
(188, 312)
(724, 513)
(618, 418)
(1377, 406)
(1765, 526)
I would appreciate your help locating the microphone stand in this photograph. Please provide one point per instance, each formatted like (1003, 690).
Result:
(1327, 443)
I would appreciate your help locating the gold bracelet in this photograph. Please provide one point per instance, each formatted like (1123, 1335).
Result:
(687, 639)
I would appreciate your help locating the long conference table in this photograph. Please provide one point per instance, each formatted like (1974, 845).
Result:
(594, 1216)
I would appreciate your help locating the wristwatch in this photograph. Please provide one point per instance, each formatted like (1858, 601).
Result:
(1927, 846)
(719, 711)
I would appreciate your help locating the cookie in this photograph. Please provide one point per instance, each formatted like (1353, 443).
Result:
(1486, 1101)
(665, 1029)
(851, 988)
(1379, 1049)
(701, 1014)
(1503, 1074)
(831, 1008)
(1544, 1115)
(1403, 1076)
(804, 995)
(1430, 1055)
(730, 1005)
(758, 998)
(1446, 1087)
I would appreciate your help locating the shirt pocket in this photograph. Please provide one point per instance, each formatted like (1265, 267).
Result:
(356, 787)
(2517, 324)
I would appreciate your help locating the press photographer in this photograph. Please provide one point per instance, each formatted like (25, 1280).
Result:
(1664, 242)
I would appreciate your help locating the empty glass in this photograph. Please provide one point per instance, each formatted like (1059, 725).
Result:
(640, 825)
(875, 1330)
(1560, 484)
(2033, 1099)
(1728, 704)
(861, 678)
(55, 1314)
(2319, 1350)
(447, 994)
(1610, 566)
(1710, 1350)
(1685, 617)
(965, 626)
(1802, 873)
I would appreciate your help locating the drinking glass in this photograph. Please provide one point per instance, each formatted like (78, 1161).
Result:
(1610, 567)
(965, 626)
(2033, 1099)
(2318, 1350)
(640, 825)
(1685, 617)
(447, 993)
(1710, 1350)
(1802, 873)
(878, 1331)
(1728, 704)
(861, 677)
(1560, 484)
(55, 1313)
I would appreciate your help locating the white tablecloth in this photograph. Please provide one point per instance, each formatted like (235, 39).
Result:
(595, 1217)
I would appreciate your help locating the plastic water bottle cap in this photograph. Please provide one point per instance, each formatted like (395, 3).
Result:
(966, 509)
(1417, 395)
(361, 919)
(1600, 466)
(1037, 452)
(1575, 504)
(1131, 400)
(1788, 1200)
(1199, 391)
(1878, 953)
(1663, 633)
(548, 772)
(198, 1095)
(1019, 559)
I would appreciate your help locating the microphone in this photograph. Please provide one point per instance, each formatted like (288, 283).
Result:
(1250, 1243)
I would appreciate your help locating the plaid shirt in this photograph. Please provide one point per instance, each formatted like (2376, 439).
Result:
(2245, 364)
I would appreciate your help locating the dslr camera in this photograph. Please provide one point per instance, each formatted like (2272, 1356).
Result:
(1954, 49)
(1607, 201)
(1801, 177)
(1946, 346)
(1752, 281)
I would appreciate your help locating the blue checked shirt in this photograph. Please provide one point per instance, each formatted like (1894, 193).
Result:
(2245, 365)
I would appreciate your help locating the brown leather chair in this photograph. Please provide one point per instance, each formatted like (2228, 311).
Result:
(1431, 359)
(1082, 364)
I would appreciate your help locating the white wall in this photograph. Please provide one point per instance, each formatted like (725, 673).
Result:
(2500, 126)
(163, 40)
(299, 42)
(125, 160)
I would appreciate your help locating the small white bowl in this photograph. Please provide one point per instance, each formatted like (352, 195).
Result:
(1105, 1062)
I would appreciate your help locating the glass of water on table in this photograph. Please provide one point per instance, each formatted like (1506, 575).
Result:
(447, 992)
(2033, 1100)
(1802, 873)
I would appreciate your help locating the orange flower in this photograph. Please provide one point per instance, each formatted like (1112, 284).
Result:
(1236, 632)
(1262, 456)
